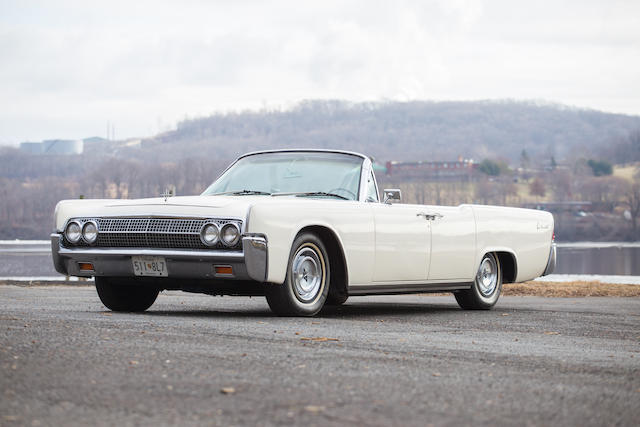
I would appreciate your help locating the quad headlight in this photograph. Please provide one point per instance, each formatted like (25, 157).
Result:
(230, 234)
(73, 232)
(210, 234)
(90, 232)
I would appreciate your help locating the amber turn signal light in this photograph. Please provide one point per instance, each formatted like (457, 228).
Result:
(224, 269)
(85, 266)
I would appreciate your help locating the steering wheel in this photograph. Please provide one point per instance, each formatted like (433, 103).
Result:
(345, 190)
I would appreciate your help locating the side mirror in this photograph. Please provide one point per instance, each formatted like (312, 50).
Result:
(392, 195)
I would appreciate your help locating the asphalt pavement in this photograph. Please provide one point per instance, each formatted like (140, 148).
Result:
(393, 360)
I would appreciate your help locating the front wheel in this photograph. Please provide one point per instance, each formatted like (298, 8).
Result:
(306, 285)
(336, 299)
(120, 295)
(486, 288)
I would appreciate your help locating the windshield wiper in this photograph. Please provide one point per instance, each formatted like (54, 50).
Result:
(243, 193)
(312, 194)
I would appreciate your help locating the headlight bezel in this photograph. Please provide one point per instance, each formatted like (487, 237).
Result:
(67, 237)
(84, 233)
(210, 243)
(236, 239)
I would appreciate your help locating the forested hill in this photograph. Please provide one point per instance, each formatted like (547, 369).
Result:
(403, 130)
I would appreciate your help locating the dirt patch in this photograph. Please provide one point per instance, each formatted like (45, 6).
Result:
(570, 289)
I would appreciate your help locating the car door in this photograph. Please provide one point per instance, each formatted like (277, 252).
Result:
(453, 243)
(402, 243)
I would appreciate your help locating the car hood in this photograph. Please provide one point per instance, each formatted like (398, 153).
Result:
(187, 206)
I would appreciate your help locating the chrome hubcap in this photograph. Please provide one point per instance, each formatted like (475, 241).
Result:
(307, 274)
(487, 278)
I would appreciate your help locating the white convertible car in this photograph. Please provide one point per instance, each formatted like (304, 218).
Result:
(304, 228)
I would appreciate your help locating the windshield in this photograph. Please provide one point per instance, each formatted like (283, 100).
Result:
(292, 172)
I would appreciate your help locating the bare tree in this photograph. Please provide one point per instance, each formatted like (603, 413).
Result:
(631, 200)
(507, 189)
(562, 185)
(486, 191)
(603, 192)
(537, 188)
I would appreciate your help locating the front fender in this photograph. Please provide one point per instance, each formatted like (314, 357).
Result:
(351, 224)
(280, 236)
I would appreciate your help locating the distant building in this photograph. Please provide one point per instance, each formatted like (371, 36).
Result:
(62, 146)
(95, 139)
(461, 169)
(31, 147)
(95, 145)
(53, 146)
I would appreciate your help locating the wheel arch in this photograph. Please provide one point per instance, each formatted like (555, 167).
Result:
(508, 266)
(507, 259)
(339, 278)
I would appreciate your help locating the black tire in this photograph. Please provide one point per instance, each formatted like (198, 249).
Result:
(306, 285)
(481, 296)
(336, 298)
(122, 295)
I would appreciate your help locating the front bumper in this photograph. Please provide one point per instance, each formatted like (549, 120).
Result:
(249, 264)
(551, 263)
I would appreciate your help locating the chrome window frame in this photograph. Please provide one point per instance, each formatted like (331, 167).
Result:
(367, 168)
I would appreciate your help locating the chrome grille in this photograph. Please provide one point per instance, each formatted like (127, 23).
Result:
(169, 233)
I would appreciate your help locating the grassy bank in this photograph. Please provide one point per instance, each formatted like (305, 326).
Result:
(570, 289)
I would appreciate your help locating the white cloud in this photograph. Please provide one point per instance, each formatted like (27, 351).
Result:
(68, 67)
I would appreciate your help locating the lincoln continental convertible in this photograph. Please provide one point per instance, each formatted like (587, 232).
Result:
(304, 228)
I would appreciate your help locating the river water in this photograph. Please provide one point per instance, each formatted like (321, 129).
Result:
(613, 258)
(32, 258)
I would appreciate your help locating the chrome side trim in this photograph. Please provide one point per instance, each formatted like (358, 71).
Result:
(551, 264)
(256, 256)
(245, 223)
(406, 288)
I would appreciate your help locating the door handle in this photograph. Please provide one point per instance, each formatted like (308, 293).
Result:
(430, 217)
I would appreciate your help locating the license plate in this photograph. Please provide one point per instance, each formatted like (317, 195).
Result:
(149, 266)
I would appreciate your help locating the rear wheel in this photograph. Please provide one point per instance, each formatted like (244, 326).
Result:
(120, 295)
(306, 285)
(486, 288)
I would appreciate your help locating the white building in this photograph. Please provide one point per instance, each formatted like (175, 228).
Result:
(53, 146)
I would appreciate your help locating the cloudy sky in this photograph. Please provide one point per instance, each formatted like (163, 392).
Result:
(69, 67)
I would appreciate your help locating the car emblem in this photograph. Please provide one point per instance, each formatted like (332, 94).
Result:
(167, 193)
